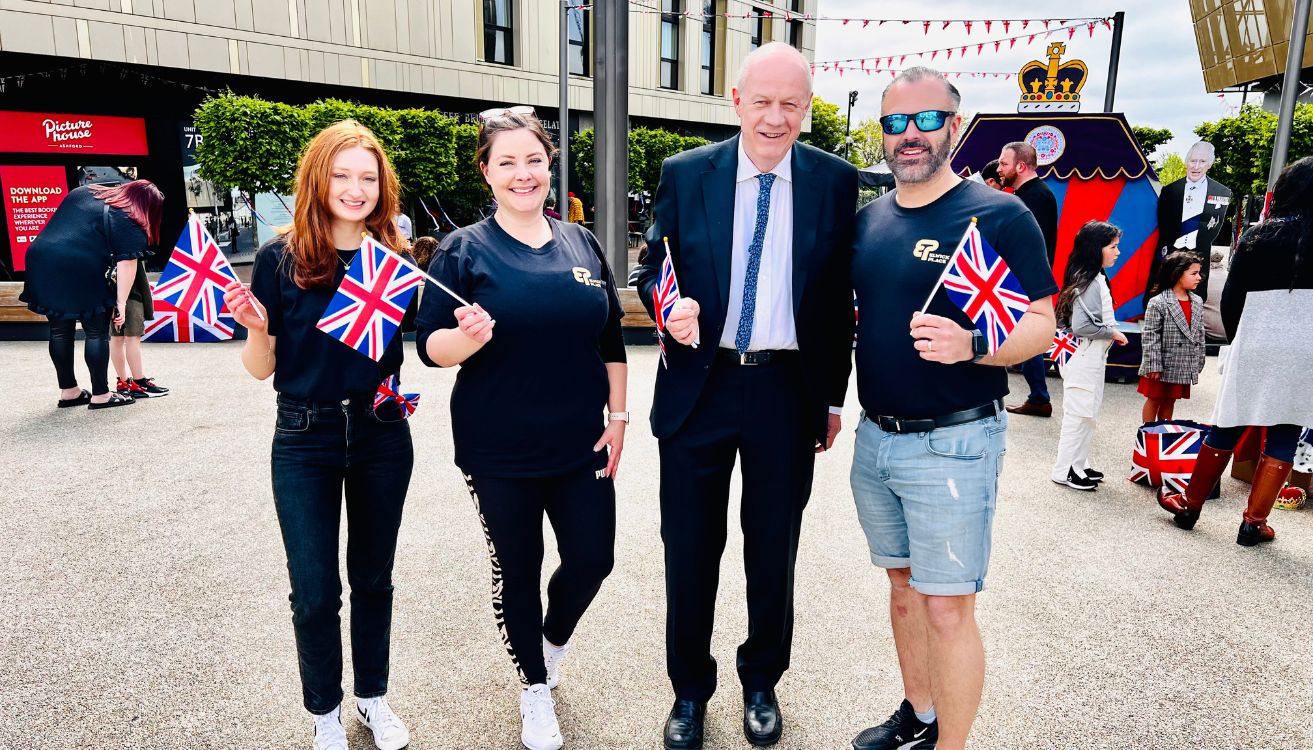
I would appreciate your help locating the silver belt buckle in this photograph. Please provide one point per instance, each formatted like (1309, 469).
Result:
(898, 425)
(743, 359)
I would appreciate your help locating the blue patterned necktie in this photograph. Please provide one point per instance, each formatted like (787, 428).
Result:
(743, 338)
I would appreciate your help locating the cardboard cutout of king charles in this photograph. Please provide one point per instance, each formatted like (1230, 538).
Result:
(1190, 214)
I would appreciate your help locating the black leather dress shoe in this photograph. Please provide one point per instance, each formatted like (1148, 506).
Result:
(684, 725)
(762, 722)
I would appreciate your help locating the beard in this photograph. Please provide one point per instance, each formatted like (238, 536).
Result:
(910, 172)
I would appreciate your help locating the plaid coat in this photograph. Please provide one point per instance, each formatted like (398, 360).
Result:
(1172, 346)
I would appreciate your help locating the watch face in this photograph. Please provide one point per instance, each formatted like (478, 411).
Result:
(979, 346)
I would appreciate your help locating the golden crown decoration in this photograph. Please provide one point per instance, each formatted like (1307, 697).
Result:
(1052, 86)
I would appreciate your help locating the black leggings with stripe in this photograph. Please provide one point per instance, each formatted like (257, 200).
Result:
(581, 508)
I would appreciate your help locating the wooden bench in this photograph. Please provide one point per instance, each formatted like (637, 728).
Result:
(635, 315)
(13, 311)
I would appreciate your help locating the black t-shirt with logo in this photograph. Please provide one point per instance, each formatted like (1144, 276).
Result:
(898, 256)
(532, 401)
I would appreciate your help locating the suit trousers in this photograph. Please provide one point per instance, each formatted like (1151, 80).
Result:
(757, 414)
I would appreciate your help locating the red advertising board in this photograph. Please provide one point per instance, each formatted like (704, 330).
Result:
(46, 133)
(31, 195)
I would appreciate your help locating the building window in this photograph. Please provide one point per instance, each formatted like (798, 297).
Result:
(670, 14)
(498, 32)
(760, 28)
(708, 47)
(580, 41)
(795, 26)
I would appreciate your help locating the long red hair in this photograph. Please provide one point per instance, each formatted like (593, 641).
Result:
(310, 238)
(143, 202)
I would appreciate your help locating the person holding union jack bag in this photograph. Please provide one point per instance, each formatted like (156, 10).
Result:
(333, 435)
(1085, 306)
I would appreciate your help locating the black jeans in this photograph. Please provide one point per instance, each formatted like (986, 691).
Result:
(581, 507)
(1282, 439)
(320, 450)
(96, 352)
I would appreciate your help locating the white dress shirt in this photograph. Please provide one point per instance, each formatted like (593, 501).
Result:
(772, 324)
(1192, 205)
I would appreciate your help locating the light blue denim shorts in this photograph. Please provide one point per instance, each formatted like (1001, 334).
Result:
(926, 500)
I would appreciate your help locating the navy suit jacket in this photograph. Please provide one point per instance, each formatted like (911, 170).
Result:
(694, 208)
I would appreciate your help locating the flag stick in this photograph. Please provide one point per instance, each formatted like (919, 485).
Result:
(944, 273)
(421, 272)
(191, 216)
(698, 339)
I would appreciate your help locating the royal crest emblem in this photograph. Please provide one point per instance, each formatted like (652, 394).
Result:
(1052, 86)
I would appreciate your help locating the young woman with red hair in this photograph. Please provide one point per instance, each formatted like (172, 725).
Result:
(329, 439)
(95, 229)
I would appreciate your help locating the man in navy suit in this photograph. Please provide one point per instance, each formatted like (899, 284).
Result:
(760, 349)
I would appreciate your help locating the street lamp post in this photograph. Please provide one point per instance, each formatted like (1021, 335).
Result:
(848, 125)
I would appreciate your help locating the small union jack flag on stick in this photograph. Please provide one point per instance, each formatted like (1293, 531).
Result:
(664, 297)
(371, 301)
(192, 284)
(1064, 345)
(978, 280)
(390, 390)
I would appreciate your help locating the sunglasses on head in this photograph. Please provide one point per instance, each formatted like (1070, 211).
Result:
(495, 112)
(926, 122)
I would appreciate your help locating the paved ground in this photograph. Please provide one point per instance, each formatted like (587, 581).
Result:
(144, 597)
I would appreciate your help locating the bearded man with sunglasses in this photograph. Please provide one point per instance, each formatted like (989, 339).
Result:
(930, 443)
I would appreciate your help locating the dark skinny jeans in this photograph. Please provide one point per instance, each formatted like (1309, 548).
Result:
(320, 451)
(96, 351)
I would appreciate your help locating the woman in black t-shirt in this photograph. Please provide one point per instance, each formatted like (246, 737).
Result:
(95, 228)
(328, 436)
(527, 407)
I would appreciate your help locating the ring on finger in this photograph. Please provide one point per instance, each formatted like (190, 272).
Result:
(930, 345)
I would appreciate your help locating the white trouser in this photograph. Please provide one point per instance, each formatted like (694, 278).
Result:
(1082, 397)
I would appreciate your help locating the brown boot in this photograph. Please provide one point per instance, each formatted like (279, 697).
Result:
(1185, 506)
(1269, 477)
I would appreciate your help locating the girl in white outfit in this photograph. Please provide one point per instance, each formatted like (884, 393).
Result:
(1085, 306)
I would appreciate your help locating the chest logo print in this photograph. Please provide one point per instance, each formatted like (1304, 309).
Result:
(584, 276)
(925, 250)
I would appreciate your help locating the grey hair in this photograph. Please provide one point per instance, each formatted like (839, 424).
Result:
(771, 49)
(918, 73)
(1206, 147)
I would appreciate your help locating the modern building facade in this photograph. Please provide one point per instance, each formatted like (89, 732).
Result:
(140, 68)
(1243, 45)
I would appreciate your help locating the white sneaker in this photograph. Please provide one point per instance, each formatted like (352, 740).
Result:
(329, 732)
(552, 658)
(538, 712)
(389, 732)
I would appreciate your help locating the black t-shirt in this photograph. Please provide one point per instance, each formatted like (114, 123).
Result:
(531, 401)
(1044, 207)
(898, 256)
(309, 363)
(67, 261)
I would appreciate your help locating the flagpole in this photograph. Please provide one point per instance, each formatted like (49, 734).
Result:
(947, 265)
(421, 272)
(666, 240)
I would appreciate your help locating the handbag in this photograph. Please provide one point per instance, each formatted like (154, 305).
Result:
(1165, 454)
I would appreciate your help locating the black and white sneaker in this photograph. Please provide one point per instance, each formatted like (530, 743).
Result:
(1078, 482)
(1093, 474)
(903, 731)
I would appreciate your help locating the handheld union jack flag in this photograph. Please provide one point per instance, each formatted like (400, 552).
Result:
(1165, 453)
(371, 301)
(978, 280)
(1064, 345)
(192, 284)
(174, 325)
(664, 296)
(389, 390)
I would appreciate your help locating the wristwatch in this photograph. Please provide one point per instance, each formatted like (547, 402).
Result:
(618, 416)
(979, 346)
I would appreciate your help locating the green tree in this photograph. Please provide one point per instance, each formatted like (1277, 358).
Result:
(868, 143)
(1150, 138)
(1243, 143)
(1172, 169)
(648, 148)
(827, 127)
(466, 198)
(249, 143)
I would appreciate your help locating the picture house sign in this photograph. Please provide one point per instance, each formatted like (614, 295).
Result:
(46, 133)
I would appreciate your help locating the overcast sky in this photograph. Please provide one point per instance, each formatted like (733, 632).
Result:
(1160, 83)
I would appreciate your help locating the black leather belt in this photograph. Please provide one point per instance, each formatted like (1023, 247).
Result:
(763, 357)
(894, 424)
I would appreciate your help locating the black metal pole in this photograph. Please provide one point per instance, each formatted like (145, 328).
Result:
(563, 158)
(611, 115)
(1289, 94)
(1113, 60)
(848, 126)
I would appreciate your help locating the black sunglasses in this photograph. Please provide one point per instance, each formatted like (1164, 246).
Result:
(927, 122)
